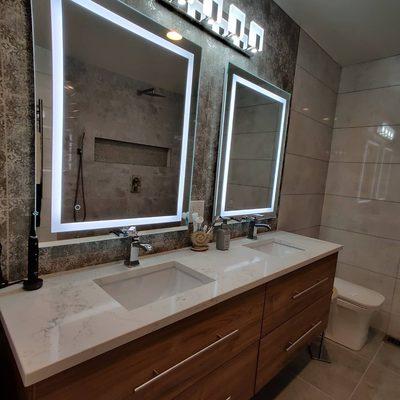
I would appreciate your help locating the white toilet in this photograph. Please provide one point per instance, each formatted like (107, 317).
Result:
(351, 314)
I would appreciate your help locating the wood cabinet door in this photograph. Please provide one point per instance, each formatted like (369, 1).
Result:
(280, 346)
(292, 293)
(232, 381)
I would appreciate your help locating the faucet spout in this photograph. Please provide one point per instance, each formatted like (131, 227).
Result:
(135, 246)
(254, 224)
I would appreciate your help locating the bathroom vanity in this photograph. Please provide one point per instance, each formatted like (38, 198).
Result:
(217, 325)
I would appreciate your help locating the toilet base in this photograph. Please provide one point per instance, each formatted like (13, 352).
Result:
(349, 325)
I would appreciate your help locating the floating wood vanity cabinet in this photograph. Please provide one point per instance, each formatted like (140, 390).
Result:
(228, 351)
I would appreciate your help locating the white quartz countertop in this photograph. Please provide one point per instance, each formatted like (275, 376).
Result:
(72, 319)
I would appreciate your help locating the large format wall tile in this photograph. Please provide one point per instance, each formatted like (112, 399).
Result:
(375, 74)
(312, 98)
(300, 211)
(368, 108)
(365, 251)
(372, 217)
(369, 180)
(307, 137)
(381, 283)
(317, 62)
(303, 175)
(365, 145)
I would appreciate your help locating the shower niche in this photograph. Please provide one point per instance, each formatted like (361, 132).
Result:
(116, 108)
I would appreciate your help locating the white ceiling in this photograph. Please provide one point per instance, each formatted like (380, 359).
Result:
(351, 31)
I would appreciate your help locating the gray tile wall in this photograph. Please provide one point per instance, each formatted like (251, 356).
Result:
(276, 64)
(309, 139)
(362, 201)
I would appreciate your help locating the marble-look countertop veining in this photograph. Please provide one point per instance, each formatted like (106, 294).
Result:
(72, 319)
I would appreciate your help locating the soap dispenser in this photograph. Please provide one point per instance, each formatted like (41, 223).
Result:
(223, 236)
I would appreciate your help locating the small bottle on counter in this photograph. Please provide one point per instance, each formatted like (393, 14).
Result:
(223, 236)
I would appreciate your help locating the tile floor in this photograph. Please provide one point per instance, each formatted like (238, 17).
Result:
(370, 374)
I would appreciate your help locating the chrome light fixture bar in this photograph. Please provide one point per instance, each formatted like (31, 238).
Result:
(229, 25)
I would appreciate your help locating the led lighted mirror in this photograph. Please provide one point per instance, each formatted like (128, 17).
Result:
(116, 109)
(252, 140)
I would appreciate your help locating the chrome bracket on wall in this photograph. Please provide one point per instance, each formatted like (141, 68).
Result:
(228, 24)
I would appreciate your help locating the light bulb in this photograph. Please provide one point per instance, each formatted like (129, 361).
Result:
(174, 35)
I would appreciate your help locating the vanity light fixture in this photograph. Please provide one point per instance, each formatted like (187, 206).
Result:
(228, 24)
(174, 35)
(213, 11)
(236, 21)
(256, 37)
(58, 116)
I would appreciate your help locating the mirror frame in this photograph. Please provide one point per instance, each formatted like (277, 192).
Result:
(233, 76)
(127, 18)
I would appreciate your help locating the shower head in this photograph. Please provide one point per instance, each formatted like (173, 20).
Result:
(149, 92)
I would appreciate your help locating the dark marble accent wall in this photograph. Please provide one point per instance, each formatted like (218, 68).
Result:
(276, 64)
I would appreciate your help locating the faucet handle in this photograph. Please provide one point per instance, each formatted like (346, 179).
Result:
(132, 232)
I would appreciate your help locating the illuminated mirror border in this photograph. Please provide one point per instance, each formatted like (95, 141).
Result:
(234, 76)
(58, 117)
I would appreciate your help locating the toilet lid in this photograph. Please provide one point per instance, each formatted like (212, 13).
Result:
(358, 295)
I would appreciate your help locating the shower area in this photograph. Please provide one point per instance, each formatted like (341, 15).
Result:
(122, 141)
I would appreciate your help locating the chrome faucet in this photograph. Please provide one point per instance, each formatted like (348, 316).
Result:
(135, 246)
(254, 224)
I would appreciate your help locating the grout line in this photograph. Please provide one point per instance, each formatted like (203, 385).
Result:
(369, 89)
(393, 125)
(308, 157)
(362, 162)
(366, 370)
(360, 233)
(318, 79)
(315, 387)
(330, 127)
(367, 269)
(362, 198)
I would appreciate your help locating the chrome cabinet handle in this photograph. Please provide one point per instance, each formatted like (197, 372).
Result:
(299, 294)
(296, 342)
(186, 360)
(229, 398)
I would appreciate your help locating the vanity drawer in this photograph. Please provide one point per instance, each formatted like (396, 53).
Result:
(166, 362)
(233, 380)
(288, 295)
(279, 346)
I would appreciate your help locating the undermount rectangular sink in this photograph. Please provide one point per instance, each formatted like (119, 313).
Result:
(136, 288)
(275, 248)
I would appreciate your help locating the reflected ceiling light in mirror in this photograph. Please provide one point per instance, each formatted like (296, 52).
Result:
(227, 23)
(174, 35)
(387, 132)
(58, 117)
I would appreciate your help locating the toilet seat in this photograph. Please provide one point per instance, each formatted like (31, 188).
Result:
(350, 294)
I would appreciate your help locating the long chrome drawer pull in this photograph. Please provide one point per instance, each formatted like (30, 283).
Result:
(174, 367)
(295, 343)
(308, 289)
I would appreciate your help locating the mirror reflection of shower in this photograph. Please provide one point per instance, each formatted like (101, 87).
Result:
(79, 209)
